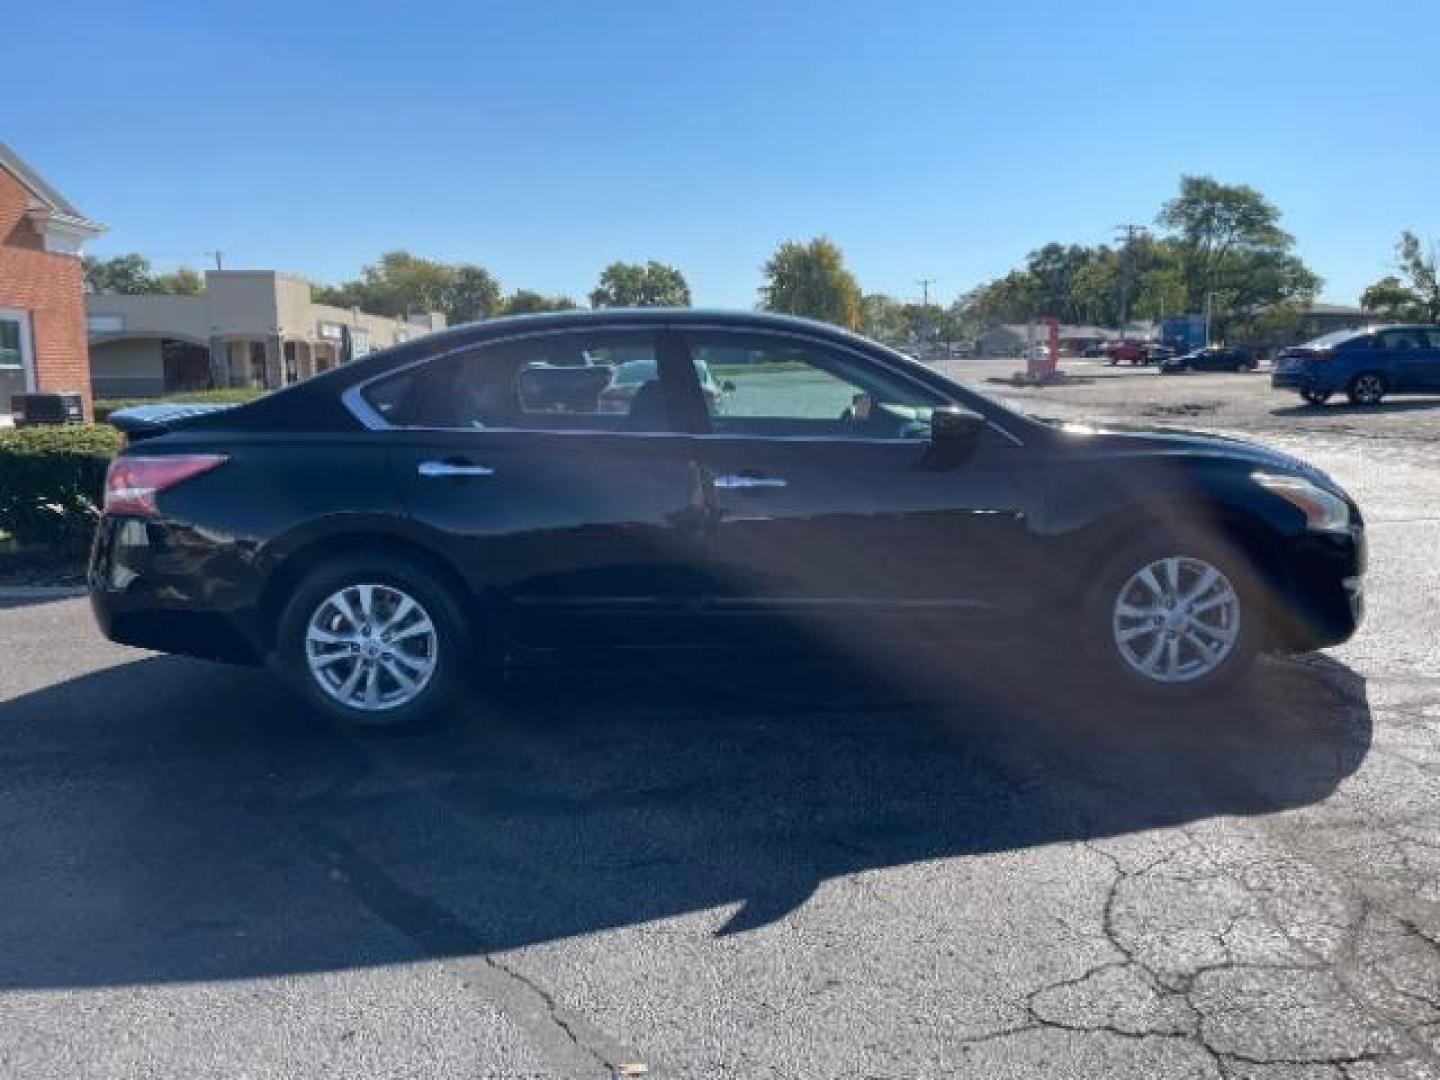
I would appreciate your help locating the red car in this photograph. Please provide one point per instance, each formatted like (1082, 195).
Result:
(1128, 352)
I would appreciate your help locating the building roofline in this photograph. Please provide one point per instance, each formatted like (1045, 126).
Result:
(48, 197)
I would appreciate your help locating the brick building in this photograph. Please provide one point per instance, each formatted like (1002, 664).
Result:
(42, 303)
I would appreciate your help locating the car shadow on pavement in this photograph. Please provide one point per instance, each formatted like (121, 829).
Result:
(172, 820)
(1344, 408)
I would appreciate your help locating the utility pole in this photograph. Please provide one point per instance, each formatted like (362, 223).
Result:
(219, 259)
(925, 283)
(1127, 268)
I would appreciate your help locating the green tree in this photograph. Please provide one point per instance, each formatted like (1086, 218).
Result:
(1011, 299)
(128, 274)
(1421, 266)
(882, 317)
(1095, 291)
(473, 293)
(1232, 251)
(180, 282)
(1160, 289)
(810, 279)
(1054, 269)
(650, 284)
(401, 283)
(527, 301)
(1393, 298)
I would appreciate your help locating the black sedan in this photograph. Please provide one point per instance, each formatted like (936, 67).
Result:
(1210, 358)
(378, 533)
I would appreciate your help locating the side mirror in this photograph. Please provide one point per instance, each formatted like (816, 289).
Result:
(727, 387)
(954, 434)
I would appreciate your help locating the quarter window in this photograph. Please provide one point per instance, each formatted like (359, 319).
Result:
(577, 381)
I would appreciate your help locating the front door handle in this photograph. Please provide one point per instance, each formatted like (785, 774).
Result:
(453, 468)
(738, 481)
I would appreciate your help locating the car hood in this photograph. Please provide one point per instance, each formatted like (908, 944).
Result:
(1132, 440)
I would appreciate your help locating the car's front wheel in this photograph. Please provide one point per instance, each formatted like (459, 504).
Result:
(374, 642)
(1315, 397)
(1175, 618)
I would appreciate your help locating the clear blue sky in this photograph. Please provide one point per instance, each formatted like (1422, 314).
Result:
(545, 139)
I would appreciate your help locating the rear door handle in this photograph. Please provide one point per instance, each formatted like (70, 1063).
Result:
(453, 468)
(738, 481)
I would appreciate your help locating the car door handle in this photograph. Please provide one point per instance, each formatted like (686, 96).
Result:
(737, 481)
(453, 468)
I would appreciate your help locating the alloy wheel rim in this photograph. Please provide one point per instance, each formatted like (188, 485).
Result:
(1368, 389)
(371, 647)
(1176, 619)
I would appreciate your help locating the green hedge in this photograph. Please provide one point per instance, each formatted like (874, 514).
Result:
(52, 482)
(234, 396)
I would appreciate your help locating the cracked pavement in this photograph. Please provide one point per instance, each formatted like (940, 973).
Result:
(881, 865)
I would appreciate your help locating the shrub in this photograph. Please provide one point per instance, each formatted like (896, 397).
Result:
(52, 482)
(236, 395)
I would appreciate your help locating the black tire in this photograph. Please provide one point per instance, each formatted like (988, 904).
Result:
(1367, 389)
(1315, 397)
(453, 648)
(1197, 543)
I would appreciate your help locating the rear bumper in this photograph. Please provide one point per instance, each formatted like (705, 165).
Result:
(157, 587)
(1304, 378)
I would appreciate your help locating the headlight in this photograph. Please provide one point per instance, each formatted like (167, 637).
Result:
(1324, 511)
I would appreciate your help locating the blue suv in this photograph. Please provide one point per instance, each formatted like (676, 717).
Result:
(1364, 364)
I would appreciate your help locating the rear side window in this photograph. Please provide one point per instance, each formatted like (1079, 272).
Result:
(1401, 340)
(572, 381)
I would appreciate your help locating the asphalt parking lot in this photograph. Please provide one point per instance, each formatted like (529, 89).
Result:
(874, 865)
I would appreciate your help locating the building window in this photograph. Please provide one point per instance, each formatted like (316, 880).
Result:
(15, 358)
(105, 324)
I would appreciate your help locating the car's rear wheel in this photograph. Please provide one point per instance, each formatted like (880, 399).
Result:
(374, 642)
(1315, 397)
(1176, 617)
(1367, 388)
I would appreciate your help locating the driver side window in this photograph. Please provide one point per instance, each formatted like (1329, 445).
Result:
(776, 386)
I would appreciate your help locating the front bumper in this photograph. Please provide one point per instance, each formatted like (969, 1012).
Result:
(157, 586)
(1323, 601)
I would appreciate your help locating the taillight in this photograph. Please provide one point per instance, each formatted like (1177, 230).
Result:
(132, 483)
(1319, 354)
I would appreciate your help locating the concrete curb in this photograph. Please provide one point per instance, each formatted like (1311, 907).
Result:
(41, 592)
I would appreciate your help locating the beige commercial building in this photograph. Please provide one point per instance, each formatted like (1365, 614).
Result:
(248, 328)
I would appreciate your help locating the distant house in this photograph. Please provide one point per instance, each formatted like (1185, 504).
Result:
(1321, 318)
(247, 328)
(42, 311)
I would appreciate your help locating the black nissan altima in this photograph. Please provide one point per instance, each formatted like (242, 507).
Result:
(380, 532)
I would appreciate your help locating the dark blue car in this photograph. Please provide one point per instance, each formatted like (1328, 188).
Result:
(1364, 364)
